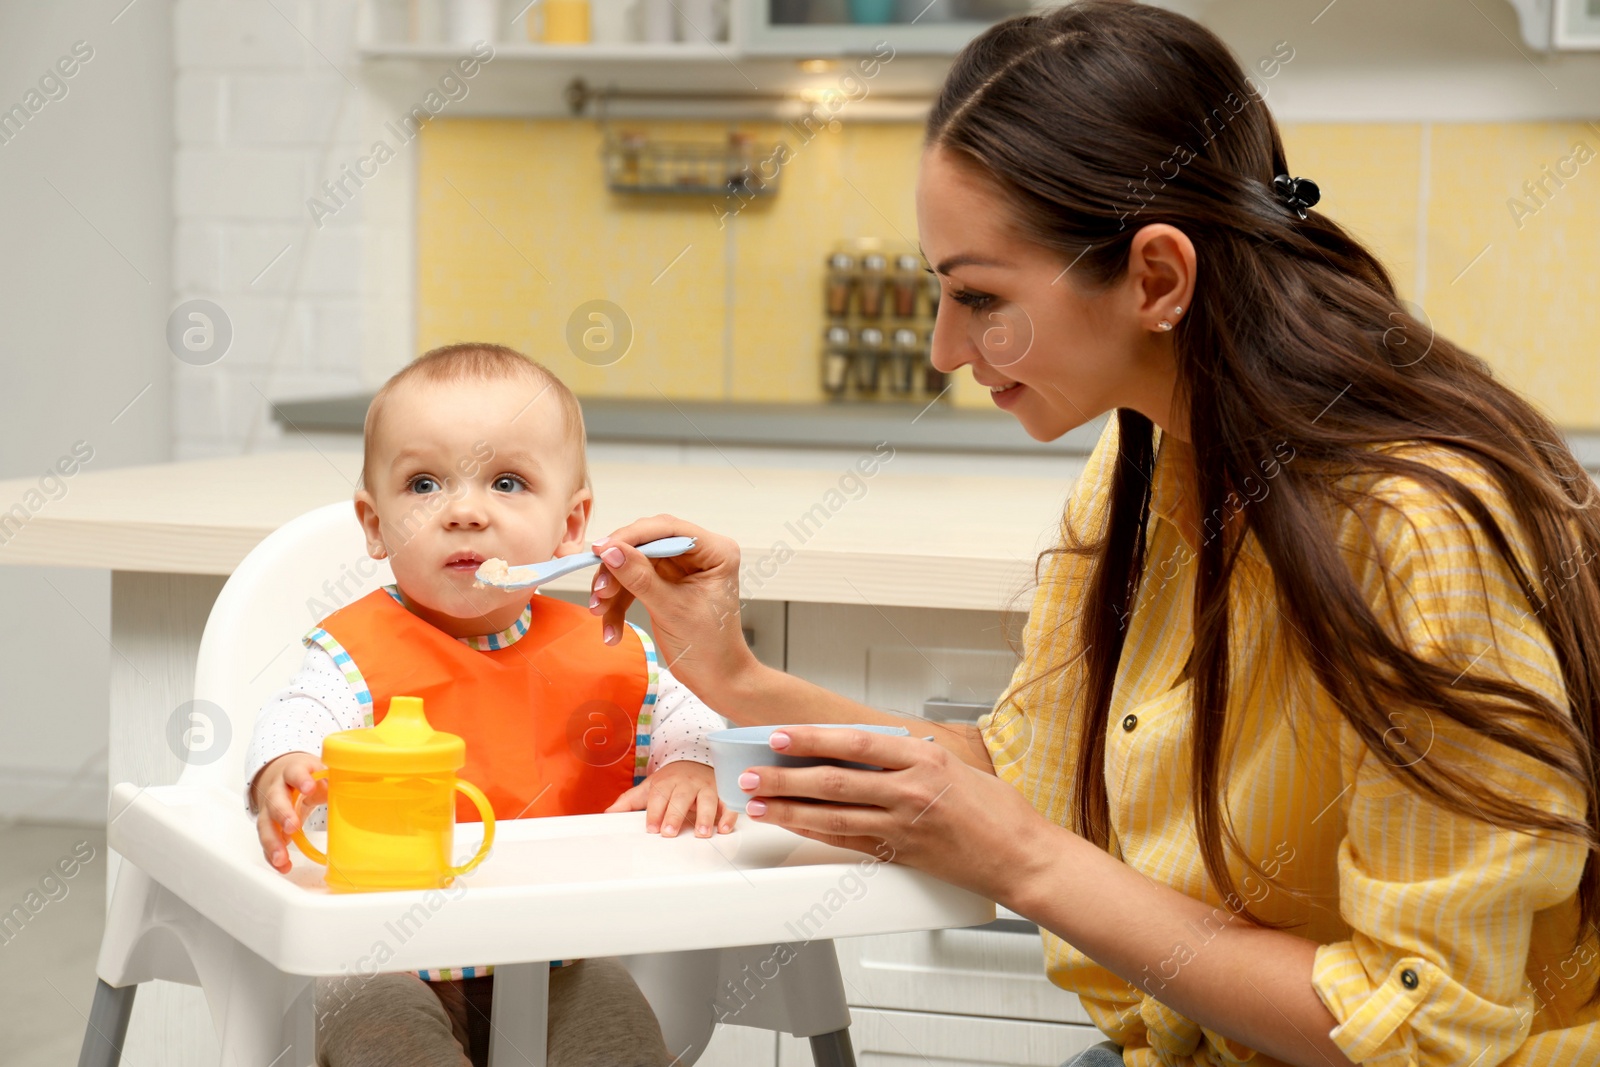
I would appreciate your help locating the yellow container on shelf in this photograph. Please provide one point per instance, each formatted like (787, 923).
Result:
(563, 21)
(392, 804)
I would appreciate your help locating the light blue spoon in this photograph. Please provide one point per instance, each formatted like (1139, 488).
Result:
(530, 575)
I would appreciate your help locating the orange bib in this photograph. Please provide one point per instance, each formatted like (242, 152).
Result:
(552, 721)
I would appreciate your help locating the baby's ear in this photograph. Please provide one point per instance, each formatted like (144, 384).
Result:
(574, 534)
(367, 515)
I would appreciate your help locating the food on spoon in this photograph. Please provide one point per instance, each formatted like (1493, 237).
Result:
(493, 570)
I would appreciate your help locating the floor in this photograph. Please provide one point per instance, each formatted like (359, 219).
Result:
(50, 926)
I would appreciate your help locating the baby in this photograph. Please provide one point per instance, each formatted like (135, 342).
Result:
(475, 452)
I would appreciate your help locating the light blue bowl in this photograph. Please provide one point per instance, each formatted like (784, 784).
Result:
(737, 750)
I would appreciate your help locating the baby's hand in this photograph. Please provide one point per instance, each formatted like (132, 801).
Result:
(276, 818)
(672, 794)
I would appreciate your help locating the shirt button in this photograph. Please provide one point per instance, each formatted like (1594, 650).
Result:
(1129, 721)
(1408, 978)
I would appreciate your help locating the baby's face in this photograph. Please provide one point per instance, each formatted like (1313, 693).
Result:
(463, 472)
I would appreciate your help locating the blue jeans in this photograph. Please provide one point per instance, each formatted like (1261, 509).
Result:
(1105, 1054)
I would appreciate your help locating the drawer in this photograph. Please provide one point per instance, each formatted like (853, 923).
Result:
(896, 1038)
(958, 972)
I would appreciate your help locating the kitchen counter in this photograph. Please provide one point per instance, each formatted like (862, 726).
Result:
(820, 536)
(915, 426)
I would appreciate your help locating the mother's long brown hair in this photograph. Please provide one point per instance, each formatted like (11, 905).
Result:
(1102, 116)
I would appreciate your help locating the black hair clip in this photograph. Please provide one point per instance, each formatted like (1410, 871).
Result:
(1298, 193)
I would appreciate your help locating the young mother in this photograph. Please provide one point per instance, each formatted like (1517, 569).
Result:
(1299, 765)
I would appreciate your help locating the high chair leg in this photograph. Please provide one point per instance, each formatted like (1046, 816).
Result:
(833, 1050)
(519, 1015)
(108, 1025)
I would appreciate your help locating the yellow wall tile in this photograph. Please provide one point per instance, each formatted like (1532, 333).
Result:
(1528, 304)
(516, 229)
(1370, 177)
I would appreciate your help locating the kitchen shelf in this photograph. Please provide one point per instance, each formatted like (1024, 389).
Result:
(642, 166)
(823, 28)
(756, 28)
(578, 53)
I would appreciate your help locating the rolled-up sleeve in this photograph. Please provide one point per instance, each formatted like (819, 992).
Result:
(1442, 904)
(1441, 907)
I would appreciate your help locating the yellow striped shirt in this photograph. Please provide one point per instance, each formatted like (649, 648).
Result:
(1443, 940)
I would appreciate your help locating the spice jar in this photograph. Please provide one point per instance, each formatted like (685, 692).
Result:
(837, 356)
(870, 358)
(905, 357)
(841, 279)
(907, 274)
(874, 267)
(631, 146)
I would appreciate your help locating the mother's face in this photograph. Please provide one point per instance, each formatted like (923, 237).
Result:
(1055, 352)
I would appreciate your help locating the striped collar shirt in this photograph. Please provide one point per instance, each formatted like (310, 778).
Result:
(1443, 940)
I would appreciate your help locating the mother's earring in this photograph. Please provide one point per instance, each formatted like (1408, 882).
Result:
(1164, 325)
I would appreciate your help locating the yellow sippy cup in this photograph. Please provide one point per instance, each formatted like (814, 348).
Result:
(391, 804)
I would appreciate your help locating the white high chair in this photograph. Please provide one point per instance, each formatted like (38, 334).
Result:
(196, 903)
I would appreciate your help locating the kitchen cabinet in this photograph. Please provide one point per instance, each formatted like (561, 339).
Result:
(979, 972)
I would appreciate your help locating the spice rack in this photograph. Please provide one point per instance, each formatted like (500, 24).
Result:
(638, 165)
(879, 305)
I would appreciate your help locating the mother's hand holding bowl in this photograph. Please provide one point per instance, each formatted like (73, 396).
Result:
(925, 802)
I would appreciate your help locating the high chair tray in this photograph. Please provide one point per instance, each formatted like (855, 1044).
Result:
(552, 889)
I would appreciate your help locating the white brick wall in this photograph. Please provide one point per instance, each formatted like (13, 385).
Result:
(266, 107)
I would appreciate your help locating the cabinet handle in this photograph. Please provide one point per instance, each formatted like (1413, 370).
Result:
(938, 709)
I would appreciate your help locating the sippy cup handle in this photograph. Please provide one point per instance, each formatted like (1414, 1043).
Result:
(486, 811)
(311, 851)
